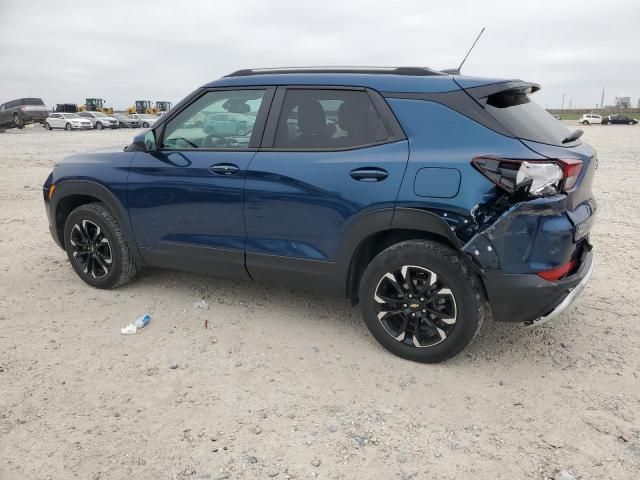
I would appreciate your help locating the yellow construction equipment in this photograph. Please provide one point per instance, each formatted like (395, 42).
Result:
(142, 106)
(95, 105)
(163, 106)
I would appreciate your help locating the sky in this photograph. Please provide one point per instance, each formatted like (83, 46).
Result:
(124, 50)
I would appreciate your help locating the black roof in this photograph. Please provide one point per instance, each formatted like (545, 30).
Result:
(414, 71)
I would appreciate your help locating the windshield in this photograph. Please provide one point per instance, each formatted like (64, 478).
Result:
(147, 116)
(32, 101)
(526, 119)
(71, 115)
(98, 114)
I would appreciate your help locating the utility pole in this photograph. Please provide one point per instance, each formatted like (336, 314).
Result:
(562, 107)
(602, 99)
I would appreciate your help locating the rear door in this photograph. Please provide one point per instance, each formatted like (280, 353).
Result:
(55, 120)
(329, 157)
(186, 199)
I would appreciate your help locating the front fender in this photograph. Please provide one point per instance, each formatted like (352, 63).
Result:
(91, 188)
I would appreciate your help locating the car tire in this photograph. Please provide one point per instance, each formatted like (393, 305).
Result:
(17, 121)
(630, 123)
(429, 278)
(104, 259)
(145, 125)
(47, 126)
(99, 126)
(68, 127)
(584, 122)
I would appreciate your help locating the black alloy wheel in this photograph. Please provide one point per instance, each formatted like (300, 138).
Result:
(415, 306)
(421, 301)
(91, 249)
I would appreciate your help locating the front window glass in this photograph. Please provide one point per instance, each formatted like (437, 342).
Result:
(98, 114)
(222, 119)
(71, 115)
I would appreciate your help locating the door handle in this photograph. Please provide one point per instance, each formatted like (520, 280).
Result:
(224, 169)
(369, 174)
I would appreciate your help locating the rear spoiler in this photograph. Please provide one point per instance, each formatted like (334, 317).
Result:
(481, 93)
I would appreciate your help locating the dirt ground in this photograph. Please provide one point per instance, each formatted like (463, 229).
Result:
(287, 384)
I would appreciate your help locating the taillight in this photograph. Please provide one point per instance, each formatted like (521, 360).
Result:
(558, 272)
(535, 177)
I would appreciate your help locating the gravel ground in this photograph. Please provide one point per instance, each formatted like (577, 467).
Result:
(287, 384)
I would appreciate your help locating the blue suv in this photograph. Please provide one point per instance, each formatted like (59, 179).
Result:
(433, 200)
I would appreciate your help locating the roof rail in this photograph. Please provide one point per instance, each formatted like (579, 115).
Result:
(415, 71)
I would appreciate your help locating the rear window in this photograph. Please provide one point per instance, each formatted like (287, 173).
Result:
(32, 101)
(526, 119)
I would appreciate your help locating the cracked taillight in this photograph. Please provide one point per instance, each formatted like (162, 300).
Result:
(534, 177)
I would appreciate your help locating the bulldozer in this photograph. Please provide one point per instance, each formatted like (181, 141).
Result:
(95, 105)
(142, 106)
(163, 106)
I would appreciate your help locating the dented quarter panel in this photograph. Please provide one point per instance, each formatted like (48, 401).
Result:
(498, 232)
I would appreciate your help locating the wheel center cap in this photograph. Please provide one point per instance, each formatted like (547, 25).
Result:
(414, 306)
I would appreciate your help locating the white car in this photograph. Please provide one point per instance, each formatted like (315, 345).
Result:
(144, 119)
(68, 121)
(590, 119)
(100, 120)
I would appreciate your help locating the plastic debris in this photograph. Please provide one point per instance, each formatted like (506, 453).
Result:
(201, 304)
(137, 325)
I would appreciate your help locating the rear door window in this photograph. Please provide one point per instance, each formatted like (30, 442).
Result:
(329, 120)
(526, 119)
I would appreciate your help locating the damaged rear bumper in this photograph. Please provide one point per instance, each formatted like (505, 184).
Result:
(528, 238)
(531, 299)
(568, 300)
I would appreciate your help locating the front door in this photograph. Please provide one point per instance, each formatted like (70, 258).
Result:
(329, 157)
(186, 199)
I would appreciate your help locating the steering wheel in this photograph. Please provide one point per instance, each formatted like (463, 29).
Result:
(217, 141)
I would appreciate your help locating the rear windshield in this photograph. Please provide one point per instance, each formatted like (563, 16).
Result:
(32, 101)
(526, 119)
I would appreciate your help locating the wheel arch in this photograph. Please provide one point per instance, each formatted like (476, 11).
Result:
(379, 230)
(70, 194)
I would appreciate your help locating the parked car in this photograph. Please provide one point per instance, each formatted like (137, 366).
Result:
(619, 119)
(228, 124)
(21, 112)
(68, 121)
(100, 120)
(434, 200)
(125, 121)
(145, 119)
(590, 119)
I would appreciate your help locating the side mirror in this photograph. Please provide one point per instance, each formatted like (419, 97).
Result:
(150, 144)
(143, 142)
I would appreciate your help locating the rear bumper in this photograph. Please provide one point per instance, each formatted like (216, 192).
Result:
(531, 299)
(568, 300)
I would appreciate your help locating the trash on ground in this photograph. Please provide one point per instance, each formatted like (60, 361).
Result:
(201, 304)
(137, 325)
